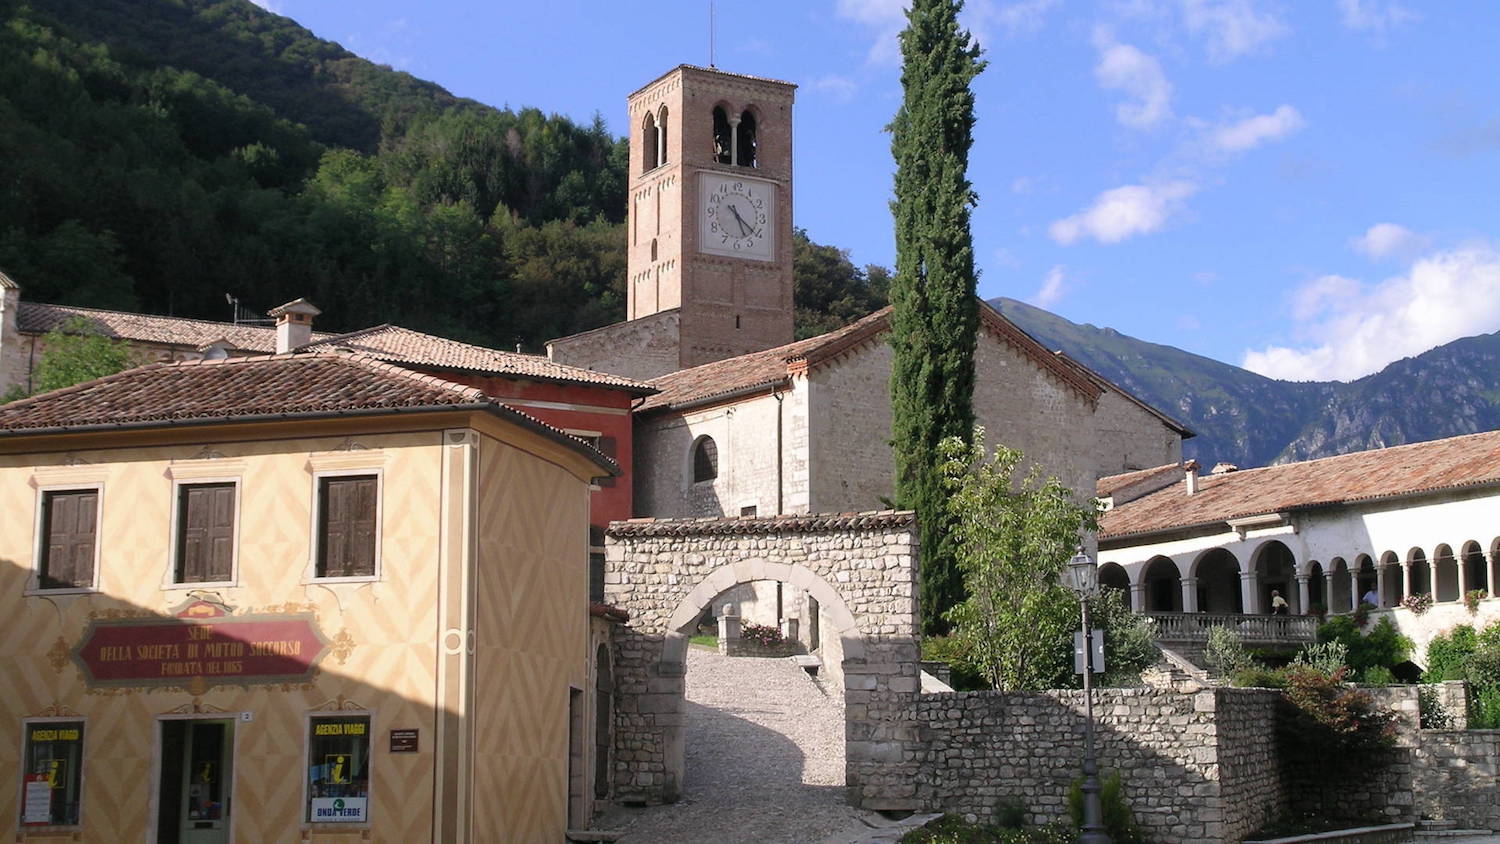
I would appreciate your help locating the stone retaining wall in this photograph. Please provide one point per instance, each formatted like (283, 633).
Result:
(1183, 783)
(861, 568)
(1456, 777)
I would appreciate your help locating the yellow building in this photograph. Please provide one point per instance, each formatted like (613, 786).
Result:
(289, 598)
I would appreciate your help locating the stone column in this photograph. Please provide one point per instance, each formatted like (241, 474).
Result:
(1463, 576)
(734, 140)
(1354, 592)
(1137, 597)
(1328, 579)
(1250, 592)
(729, 627)
(1190, 594)
(1492, 563)
(1380, 586)
(1405, 578)
(1304, 594)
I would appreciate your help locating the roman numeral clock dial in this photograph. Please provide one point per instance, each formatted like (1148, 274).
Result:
(738, 217)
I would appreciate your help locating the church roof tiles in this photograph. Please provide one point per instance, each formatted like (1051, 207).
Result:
(1448, 464)
(39, 318)
(763, 371)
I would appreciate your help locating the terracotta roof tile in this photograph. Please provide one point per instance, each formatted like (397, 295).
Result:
(1110, 484)
(304, 385)
(1472, 460)
(414, 348)
(768, 368)
(39, 318)
(764, 524)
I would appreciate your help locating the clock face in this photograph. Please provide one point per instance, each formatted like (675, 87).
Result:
(738, 216)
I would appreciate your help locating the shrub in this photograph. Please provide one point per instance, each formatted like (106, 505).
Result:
(761, 634)
(1226, 654)
(1472, 599)
(1418, 603)
(964, 675)
(1010, 813)
(1129, 642)
(1484, 714)
(1326, 657)
(1118, 820)
(1334, 719)
(1448, 655)
(953, 829)
(1259, 677)
(1434, 715)
(1362, 613)
(1379, 676)
(1383, 646)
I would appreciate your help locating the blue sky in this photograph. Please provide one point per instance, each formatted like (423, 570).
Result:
(1307, 188)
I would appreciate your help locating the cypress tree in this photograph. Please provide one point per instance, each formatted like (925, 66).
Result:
(935, 315)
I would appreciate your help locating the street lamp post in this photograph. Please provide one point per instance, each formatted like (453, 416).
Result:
(1083, 580)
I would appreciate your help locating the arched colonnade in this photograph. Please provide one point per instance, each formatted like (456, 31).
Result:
(1217, 580)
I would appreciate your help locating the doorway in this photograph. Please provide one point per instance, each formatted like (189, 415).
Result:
(197, 767)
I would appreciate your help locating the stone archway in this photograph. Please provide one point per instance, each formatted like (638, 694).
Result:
(862, 571)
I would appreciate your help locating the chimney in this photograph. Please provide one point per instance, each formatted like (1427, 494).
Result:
(1190, 476)
(293, 324)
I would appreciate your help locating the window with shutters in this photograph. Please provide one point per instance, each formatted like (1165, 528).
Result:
(69, 535)
(205, 533)
(348, 508)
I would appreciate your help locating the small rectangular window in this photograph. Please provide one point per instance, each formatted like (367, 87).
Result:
(69, 537)
(346, 526)
(205, 533)
(338, 769)
(53, 778)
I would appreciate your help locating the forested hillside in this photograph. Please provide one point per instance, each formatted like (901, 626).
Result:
(158, 154)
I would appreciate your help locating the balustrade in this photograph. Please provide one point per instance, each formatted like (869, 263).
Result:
(1194, 627)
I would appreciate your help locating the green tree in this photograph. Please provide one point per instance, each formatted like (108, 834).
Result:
(830, 291)
(935, 316)
(1011, 541)
(77, 351)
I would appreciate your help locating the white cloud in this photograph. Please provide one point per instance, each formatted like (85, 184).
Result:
(1251, 132)
(1124, 68)
(838, 88)
(1052, 289)
(1124, 212)
(1374, 16)
(1232, 28)
(1023, 17)
(1442, 297)
(1383, 240)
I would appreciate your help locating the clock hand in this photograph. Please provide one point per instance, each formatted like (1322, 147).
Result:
(744, 229)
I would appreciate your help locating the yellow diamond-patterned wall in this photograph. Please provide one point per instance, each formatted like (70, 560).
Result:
(385, 637)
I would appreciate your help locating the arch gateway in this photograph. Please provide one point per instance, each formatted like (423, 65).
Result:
(860, 568)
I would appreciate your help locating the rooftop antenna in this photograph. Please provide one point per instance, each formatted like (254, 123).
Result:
(710, 33)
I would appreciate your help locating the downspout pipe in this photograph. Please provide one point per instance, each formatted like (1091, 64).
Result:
(779, 396)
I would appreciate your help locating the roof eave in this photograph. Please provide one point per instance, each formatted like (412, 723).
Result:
(718, 398)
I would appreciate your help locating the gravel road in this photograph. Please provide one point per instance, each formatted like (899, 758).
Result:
(765, 761)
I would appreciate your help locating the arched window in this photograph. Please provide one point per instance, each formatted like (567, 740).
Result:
(649, 138)
(745, 142)
(705, 460)
(723, 137)
(661, 136)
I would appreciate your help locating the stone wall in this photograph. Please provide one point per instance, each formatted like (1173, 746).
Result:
(1129, 437)
(861, 568)
(1456, 777)
(641, 348)
(1177, 775)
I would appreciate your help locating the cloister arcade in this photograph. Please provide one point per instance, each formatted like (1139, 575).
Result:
(1240, 576)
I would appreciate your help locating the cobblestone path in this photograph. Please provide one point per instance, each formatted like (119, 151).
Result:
(765, 761)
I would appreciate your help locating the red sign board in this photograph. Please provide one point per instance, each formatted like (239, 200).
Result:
(200, 646)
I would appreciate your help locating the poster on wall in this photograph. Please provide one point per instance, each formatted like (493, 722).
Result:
(37, 804)
(339, 809)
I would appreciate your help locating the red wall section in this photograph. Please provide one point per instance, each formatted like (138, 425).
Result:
(601, 409)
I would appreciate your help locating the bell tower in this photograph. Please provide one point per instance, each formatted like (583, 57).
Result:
(710, 216)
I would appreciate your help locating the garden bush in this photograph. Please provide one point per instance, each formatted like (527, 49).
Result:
(1326, 657)
(1118, 820)
(953, 829)
(761, 634)
(1383, 646)
(1226, 654)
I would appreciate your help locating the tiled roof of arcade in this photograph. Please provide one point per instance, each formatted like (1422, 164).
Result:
(1441, 465)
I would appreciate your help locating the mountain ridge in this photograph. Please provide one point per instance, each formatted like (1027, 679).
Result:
(1250, 420)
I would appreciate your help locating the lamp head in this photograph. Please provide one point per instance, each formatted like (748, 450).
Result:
(1082, 576)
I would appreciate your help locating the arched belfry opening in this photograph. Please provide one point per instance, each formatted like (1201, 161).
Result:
(723, 137)
(661, 137)
(746, 143)
(650, 151)
(705, 459)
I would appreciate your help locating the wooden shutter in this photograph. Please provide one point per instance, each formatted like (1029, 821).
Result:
(69, 523)
(205, 533)
(347, 527)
